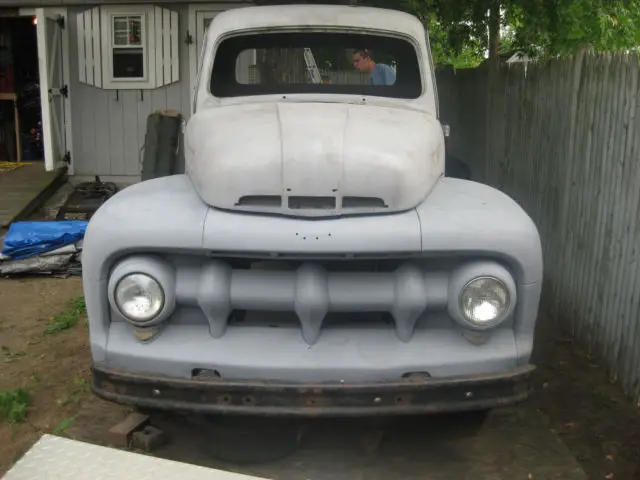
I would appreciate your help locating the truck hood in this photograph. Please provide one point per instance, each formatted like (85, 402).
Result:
(313, 159)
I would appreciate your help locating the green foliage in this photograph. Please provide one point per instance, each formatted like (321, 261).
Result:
(68, 319)
(62, 426)
(458, 29)
(561, 27)
(79, 390)
(13, 405)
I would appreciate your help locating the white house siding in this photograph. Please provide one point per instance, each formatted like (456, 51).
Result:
(109, 126)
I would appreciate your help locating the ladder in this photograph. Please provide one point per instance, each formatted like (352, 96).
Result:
(312, 67)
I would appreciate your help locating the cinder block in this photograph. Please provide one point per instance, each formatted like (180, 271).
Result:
(120, 435)
(148, 439)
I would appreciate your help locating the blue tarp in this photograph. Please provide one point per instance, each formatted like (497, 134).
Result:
(26, 239)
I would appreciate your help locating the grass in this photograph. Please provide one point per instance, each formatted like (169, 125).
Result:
(80, 388)
(62, 426)
(13, 405)
(68, 319)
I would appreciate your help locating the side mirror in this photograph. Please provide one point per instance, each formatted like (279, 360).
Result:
(446, 129)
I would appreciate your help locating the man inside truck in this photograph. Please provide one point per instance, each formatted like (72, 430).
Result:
(381, 74)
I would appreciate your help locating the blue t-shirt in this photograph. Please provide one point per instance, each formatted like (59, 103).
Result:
(382, 75)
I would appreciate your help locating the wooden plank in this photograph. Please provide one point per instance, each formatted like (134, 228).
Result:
(82, 65)
(175, 47)
(158, 99)
(102, 123)
(85, 158)
(174, 97)
(130, 99)
(97, 64)
(158, 45)
(166, 45)
(90, 58)
(120, 434)
(24, 190)
(116, 133)
(77, 87)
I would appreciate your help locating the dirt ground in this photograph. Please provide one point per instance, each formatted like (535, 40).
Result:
(574, 398)
(590, 414)
(53, 369)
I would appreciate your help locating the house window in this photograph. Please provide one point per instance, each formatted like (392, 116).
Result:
(128, 47)
(128, 35)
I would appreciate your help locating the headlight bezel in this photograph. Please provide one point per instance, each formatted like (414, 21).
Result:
(156, 268)
(467, 274)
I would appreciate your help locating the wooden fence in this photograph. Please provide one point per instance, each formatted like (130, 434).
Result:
(564, 141)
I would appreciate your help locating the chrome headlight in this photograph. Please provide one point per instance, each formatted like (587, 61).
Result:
(139, 297)
(484, 300)
(482, 295)
(142, 290)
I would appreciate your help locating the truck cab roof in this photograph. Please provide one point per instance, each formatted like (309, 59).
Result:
(331, 16)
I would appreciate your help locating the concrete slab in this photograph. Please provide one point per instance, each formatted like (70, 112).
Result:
(514, 443)
(56, 458)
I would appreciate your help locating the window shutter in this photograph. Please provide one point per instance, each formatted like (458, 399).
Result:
(166, 47)
(89, 59)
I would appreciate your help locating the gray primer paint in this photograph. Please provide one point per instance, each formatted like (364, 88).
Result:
(458, 218)
(352, 355)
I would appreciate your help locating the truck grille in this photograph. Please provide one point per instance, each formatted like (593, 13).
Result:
(312, 290)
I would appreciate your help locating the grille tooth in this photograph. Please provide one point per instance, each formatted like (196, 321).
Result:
(311, 300)
(259, 201)
(215, 277)
(363, 202)
(410, 300)
(313, 203)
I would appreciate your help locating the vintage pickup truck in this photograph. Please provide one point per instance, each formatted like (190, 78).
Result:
(314, 259)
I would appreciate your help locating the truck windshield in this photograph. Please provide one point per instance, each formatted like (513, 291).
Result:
(316, 62)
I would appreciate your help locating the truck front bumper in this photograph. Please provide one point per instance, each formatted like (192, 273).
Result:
(402, 397)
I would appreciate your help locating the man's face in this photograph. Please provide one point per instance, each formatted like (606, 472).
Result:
(361, 63)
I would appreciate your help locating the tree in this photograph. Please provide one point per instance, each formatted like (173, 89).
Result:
(551, 28)
(463, 32)
(458, 29)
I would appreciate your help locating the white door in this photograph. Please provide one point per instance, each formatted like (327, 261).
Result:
(200, 17)
(53, 50)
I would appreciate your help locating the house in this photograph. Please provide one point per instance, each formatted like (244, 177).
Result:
(104, 67)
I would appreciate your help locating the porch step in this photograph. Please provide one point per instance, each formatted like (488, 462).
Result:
(24, 190)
